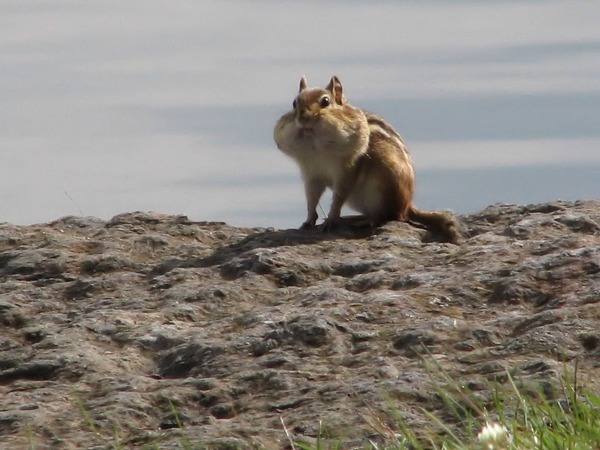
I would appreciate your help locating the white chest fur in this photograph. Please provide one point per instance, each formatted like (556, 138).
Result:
(321, 153)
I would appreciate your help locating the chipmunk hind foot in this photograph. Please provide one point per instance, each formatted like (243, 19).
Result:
(443, 225)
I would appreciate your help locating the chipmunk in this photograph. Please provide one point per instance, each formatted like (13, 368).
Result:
(356, 154)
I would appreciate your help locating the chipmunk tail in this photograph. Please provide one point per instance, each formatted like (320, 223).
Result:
(443, 225)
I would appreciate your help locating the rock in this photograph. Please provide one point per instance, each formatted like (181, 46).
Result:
(309, 330)
(355, 267)
(9, 422)
(537, 320)
(33, 264)
(12, 316)
(414, 342)
(188, 359)
(33, 370)
(366, 281)
(590, 341)
(105, 263)
(164, 331)
(579, 222)
(509, 290)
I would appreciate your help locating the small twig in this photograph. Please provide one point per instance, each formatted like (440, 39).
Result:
(287, 433)
(322, 211)
(74, 202)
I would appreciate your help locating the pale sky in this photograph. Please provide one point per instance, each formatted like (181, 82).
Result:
(169, 106)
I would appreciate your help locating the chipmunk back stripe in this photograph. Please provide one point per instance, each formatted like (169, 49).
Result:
(374, 120)
(380, 126)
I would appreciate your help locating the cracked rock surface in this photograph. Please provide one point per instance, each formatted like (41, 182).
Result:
(159, 330)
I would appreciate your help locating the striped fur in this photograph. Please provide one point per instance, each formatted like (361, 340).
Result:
(379, 125)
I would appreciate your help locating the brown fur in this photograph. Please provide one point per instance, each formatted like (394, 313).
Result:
(356, 154)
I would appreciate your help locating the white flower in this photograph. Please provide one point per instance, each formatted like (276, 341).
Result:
(493, 436)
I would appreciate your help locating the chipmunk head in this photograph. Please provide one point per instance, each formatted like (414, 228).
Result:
(312, 103)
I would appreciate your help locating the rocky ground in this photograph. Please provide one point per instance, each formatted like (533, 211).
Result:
(154, 331)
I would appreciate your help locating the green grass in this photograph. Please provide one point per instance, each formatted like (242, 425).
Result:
(512, 417)
(558, 416)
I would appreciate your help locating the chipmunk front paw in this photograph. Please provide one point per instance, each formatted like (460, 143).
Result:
(330, 224)
(307, 226)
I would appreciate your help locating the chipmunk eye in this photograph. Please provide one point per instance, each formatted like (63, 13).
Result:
(294, 104)
(324, 102)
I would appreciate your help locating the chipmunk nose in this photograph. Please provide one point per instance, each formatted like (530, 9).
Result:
(302, 117)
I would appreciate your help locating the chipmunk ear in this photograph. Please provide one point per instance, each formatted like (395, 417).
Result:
(303, 84)
(335, 87)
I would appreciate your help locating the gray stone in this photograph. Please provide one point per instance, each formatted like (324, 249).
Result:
(579, 222)
(148, 321)
(188, 359)
(39, 369)
(414, 342)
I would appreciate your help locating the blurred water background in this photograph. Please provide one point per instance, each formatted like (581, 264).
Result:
(113, 106)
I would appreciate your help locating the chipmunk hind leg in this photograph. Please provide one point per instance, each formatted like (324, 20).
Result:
(442, 224)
